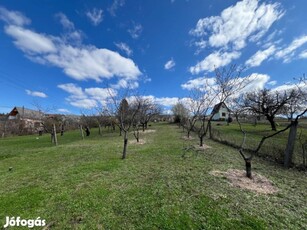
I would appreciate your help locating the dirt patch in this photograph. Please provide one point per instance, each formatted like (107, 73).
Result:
(197, 147)
(149, 131)
(141, 142)
(187, 138)
(237, 178)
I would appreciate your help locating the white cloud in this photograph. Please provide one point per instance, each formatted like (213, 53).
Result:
(124, 47)
(214, 60)
(169, 64)
(95, 16)
(73, 89)
(93, 63)
(77, 61)
(166, 101)
(36, 93)
(260, 56)
(13, 17)
(29, 41)
(303, 54)
(245, 20)
(253, 82)
(100, 94)
(63, 110)
(66, 23)
(124, 84)
(288, 53)
(256, 81)
(135, 31)
(290, 86)
(201, 83)
(71, 35)
(83, 103)
(272, 83)
(87, 98)
(116, 4)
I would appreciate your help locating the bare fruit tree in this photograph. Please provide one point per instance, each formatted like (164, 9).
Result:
(269, 103)
(125, 113)
(226, 84)
(148, 109)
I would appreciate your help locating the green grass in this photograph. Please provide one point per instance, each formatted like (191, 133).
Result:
(273, 147)
(83, 184)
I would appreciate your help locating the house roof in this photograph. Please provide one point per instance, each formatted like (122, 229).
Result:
(26, 113)
(217, 107)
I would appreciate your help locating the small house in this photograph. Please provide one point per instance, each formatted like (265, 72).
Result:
(25, 120)
(220, 112)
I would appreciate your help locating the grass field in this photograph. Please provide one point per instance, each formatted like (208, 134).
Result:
(273, 147)
(83, 184)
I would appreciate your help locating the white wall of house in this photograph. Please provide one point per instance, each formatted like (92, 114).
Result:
(223, 113)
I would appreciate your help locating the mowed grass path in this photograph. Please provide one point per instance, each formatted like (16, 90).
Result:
(83, 184)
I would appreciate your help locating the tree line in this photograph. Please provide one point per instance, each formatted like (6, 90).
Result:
(227, 86)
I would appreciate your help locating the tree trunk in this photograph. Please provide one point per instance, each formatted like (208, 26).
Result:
(201, 140)
(272, 123)
(290, 145)
(81, 131)
(54, 135)
(143, 126)
(210, 129)
(125, 145)
(248, 165)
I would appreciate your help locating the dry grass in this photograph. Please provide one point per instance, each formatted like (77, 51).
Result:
(237, 178)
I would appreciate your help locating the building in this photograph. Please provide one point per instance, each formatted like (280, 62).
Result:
(220, 111)
(25, 121)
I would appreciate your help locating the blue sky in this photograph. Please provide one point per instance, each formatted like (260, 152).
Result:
(69, 55)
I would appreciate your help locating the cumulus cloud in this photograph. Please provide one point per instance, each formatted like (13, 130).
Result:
(36, 93)
(253, 82)
(93, 63)
(13, 17)
(256, 81)
(163, 101)
(260, 56)
(87, 98)
(200, 82)
(246, 20)
(95, 16)
(30, 41)
(124, 47)
(124, 84)
(77, 61)
(169, 64)
(214, 60)
(290, 86)
(73, 89)
(229, 32)
(100, 94)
